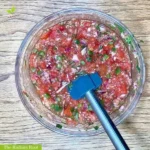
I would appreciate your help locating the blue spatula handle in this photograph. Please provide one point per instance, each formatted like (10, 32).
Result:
(106, 122)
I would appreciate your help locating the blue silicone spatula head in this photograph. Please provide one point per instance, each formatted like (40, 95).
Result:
(80, 86)
(84, 86)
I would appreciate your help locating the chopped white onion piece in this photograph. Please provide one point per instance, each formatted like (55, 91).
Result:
(117, 46)
(102, 29)
(60, 89)
(73, 70)
(122, 35)
(83, 51)
(89, 29)
(75, 58)
(122, 95)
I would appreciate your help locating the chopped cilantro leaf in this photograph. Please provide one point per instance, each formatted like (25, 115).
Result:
(41, 54)
(120, 28)
(41, 116)
(46, 95)
(105, 57)
(77, 42)
(117, 71)
(89, 59)
(137, 67)
(114, 49)
(79, 105)
(96, 127)
(98, 27)
(70, 86)
(141, 41)
(33, 69)
(39, 72)
(59, 65)
(108, 76)
(56, 107)
(89, 107)
(12, 10)
(75, 113)
(35, 50)
(59, 58)
(82, 62)
(90, 53)
(59, 126)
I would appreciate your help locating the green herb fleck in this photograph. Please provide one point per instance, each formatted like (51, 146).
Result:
(102, 102)
(46, 95)
(33, 69)
(12, 10)
(129, 39)
(120, 28)
(56, 107)
(55, 48)
(141, 41)
(89, 59)
(70, 86)
(98, 27)
(112, 27)
(79, 105)
(59, 58)
(39, 72)
(41, 54)
(117, 71)
(108, 76)
(105, 57)
(75, 113)
(96, 127)
(82, 62)
(101, 47)
(59, 126)
(77, 41)
(139, 82)
(59, 65)
(111, 43)
(25, 93)
(114, 49)
(41, 116)
(58, 99)
(35, 50)
(81, 73)
(90, 53)
(89, 107)
(137, 67)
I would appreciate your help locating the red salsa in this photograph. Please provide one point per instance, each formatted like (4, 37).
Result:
(76, 47)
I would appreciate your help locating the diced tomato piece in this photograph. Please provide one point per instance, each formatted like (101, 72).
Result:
(46, 34)
(106, 48)
(62, 28)
(103, 70)
(56, 85)
(54, 74)
(87, 24)
(122, 89)
(42, 64)
(120, 54)
(93, 43)
(125, 66)
(32, 60)
(67, 111)
(71, 122)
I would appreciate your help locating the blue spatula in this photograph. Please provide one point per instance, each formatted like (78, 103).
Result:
(84, 86)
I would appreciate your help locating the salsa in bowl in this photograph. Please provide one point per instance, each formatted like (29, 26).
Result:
(66, 45)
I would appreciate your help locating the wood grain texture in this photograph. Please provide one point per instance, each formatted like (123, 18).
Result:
(16, 125)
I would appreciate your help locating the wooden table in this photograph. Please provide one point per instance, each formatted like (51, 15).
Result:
(16, 125)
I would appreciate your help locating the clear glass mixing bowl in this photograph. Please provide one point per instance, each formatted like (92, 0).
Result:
(27, 92)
